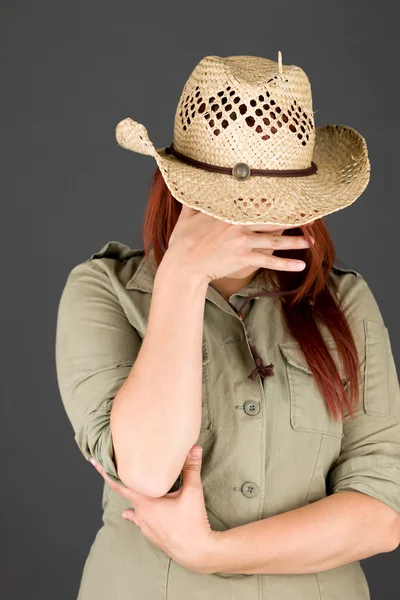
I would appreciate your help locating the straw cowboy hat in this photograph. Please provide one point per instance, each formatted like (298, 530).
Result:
(245, 148)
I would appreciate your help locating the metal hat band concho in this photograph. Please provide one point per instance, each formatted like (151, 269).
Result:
(242, 171)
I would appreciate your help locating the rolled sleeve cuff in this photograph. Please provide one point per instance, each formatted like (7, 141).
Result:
(377, 476)
(95, 440)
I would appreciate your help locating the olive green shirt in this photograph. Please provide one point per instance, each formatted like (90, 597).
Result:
(270, 444)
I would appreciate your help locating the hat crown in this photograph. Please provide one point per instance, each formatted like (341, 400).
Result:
(244, 109)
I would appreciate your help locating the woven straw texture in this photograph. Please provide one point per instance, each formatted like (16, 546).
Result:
(248, 109)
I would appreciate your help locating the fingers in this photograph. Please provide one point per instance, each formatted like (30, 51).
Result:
(130, 515)
(260, 227)
(269, 261)
(173, 494)
(265, 228)
(277, 241)
(271, 241)
(117, 487)
(192, 467)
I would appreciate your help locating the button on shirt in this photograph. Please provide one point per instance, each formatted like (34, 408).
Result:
(269, 443)
(249, 489)
(251, 407)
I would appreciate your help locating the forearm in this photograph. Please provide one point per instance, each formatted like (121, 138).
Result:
(339, 529)
(156, 414)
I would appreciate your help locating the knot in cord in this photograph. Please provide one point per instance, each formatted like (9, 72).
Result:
(261, 369)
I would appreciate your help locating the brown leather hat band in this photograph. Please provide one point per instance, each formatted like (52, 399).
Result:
(242, 171)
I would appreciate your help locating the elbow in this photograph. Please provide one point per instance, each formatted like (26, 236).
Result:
(389, 528)
(141, 479)
(394, 533)
(154, 480)
(153, 487)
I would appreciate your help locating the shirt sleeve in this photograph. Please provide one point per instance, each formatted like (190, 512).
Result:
(96, 347)
(369, 460)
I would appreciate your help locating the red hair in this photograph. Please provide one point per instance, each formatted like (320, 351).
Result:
(311, 296)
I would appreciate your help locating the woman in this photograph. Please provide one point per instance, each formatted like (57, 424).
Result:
(235, 334)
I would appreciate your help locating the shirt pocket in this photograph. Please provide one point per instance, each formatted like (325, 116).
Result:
(381, 385)
(308, 409)
(206, 408)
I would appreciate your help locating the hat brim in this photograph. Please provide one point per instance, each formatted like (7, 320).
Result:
(340, 153)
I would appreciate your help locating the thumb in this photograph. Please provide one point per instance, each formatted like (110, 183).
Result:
(192, 466)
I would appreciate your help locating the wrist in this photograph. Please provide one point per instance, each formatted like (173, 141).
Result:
(181, 273)
(212, 556)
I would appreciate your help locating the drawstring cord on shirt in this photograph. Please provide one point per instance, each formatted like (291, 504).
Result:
(260, 369)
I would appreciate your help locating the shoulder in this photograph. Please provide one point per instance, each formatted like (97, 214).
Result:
(96, 289)
(118, 251)
(100, 282)
(357, 298)
(339, 271)
(113, 264)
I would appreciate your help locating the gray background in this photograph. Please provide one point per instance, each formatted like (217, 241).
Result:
(70, 71)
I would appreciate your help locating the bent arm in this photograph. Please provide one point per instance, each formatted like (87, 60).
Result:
(339, 529)
(360, 516)
(156, 414)
(134, 404)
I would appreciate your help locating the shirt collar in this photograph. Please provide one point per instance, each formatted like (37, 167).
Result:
(143, 280)
(143, 277)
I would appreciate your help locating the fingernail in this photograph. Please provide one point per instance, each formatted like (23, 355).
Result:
(299, 264)
(196, 452)
(93, 461)
(124, 515)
